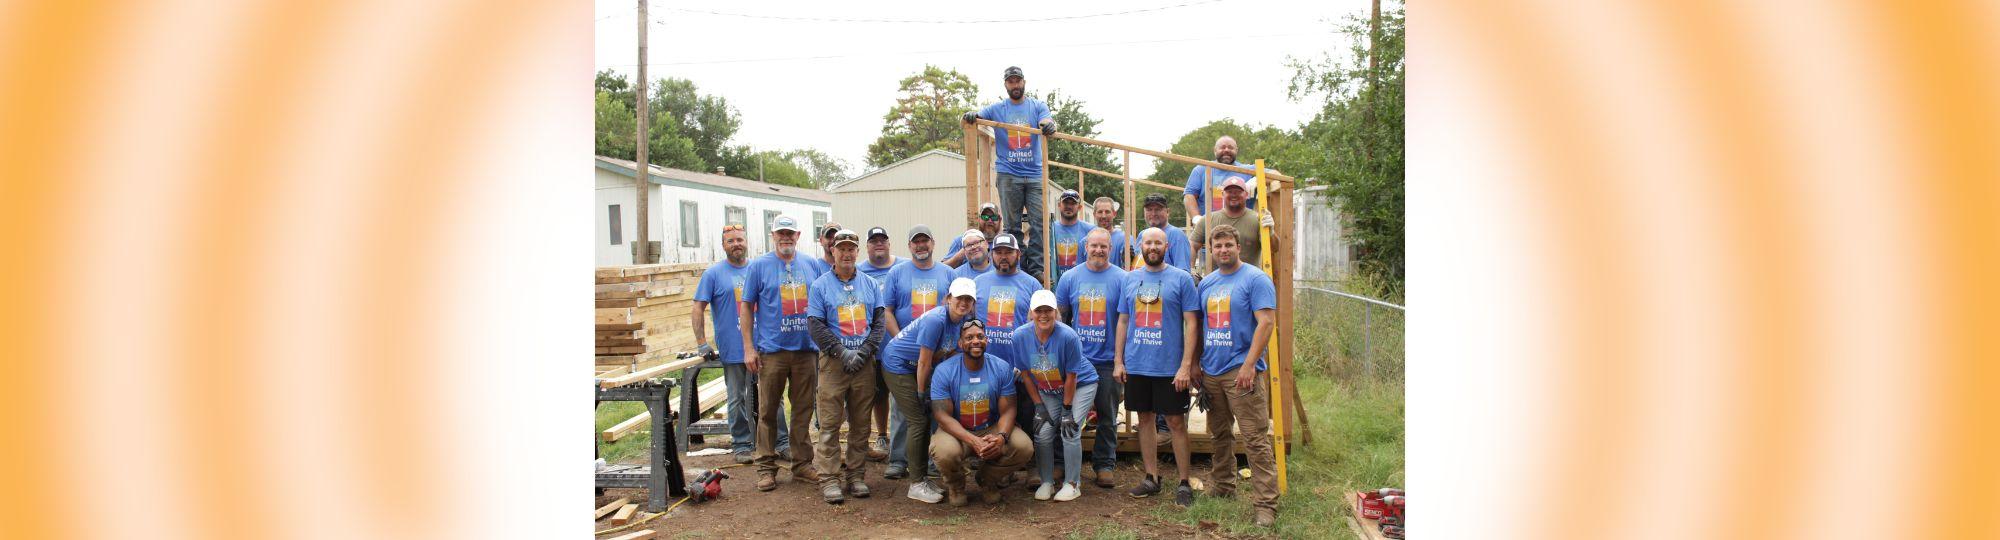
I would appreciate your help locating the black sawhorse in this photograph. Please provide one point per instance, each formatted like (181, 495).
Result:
(665, 454)
(692, 425)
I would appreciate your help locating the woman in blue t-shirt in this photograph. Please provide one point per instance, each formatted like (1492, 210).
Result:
(1049, 357)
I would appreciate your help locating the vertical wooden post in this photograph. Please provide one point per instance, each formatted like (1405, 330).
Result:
(1131, 234)
(969, 141)
(644, 255)
(1081, 197)
(1283, 264)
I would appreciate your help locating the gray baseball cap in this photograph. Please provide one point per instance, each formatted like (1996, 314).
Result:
(920, 229)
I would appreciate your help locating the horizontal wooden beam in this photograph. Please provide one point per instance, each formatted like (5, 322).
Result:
(630, 425)
(639, 535)
(649, 373)
(624, 515)
(1117, 176)
(1162, 155)
(609, 508)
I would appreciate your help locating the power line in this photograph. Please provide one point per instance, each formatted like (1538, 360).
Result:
(939, 21)
(975, 50)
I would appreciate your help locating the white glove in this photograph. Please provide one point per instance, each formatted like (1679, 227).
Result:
(1267, 222)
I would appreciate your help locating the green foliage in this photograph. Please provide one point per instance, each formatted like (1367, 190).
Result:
(1275, 146)
(1356, 140)
(925, 116)
(1071, 118)
(823, 169)
(692, 131)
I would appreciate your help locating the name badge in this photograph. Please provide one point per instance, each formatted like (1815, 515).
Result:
(974, 380)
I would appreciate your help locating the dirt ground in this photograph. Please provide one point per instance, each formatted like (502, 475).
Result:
(794, 510)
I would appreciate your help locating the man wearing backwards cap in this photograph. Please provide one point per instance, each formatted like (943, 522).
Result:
(912, 289)
(780, 350)
(1236, 215)
(907, 363)
(1179, 253)
(847, 322)
(988, 227)
(1018, 159)
(1067, 234)
(978, 259)
(877, 266)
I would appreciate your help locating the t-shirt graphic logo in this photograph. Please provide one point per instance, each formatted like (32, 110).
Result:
(1218, 311)
(975, 407)
(1148, 303)
(1066, 252)
(739, 288)
(853, 319)
(923, 297)
(1000, 308)
(1018, 138)
(1047, 375)
(1090, 307)
(792, 298)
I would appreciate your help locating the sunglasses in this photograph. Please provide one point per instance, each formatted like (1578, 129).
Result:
(732, 228)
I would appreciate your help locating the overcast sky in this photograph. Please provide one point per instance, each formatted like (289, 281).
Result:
(1149, 75)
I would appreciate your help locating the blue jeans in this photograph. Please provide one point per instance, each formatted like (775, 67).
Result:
(1049, 432)
(1016, 192)
(1104, 451)
(899, 442)
(741, 385)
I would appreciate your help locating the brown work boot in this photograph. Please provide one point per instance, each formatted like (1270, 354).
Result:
(879, 450)
(955, 495)
(1104, 479)
(805, 474)
(989, 494)
(1266, 517)
(767, 481)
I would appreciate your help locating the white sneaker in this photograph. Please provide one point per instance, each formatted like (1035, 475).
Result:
(927, 491)
(1043, 493)
(1068, 493)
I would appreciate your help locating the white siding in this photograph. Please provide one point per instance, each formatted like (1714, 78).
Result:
(614, 188)
(928, 190)
(1323, 248)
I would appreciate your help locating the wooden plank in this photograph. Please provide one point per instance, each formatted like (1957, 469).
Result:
(1154, 153)
(969, 144)
(1115, 176)
(648, 373)
(609, 508)
(626, 427)
(617, 316)
(623, 349)
(624, 515)
(638, 535)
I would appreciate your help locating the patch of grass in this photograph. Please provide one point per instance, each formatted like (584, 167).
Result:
(633, 446)
(947, 521)
(1105, 531)
(1347, 339)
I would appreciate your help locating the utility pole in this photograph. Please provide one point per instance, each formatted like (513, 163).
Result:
(644, 255)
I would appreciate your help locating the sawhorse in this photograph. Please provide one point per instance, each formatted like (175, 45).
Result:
(690, 423)
(665, 457)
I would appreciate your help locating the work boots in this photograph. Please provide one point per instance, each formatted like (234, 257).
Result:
(830, 493)
(767, 481)
(857, 488)
(1266, 517)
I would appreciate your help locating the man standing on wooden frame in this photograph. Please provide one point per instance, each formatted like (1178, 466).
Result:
(721, 284)
(774, 300)
(1155, 357)
(1237, 215)
(847, 322)
(1018, 161)
(1239, 306)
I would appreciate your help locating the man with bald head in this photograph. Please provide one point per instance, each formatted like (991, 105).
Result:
(1204, 185)
(1159, 317)
(1088, 298)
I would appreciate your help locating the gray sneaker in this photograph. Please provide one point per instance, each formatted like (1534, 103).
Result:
(896, 471)
(927, 491)
(1184, 495)
(830, 493)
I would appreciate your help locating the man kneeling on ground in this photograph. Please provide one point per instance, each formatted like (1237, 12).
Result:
(972, 401)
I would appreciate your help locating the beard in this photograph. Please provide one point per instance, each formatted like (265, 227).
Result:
(1155, 257)
(921, 255)
(1226, 159)
(737, 255)
(787, 251)
(1016, 94)
(975, 350)
(1003, 266)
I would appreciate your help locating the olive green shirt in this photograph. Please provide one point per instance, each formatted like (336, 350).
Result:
(1250, 246)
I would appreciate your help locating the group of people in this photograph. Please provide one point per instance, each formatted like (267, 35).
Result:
(968, 366)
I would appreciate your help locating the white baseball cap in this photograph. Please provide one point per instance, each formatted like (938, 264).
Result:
(962, 287)
(1042, 298)
(974, 234)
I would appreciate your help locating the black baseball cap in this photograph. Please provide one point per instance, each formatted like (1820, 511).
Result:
(1156, 199)
(1071, 194)
(1012, 72)
(877, 231)
(1005, 240)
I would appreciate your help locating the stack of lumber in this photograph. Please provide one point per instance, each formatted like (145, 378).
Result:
(642, 314)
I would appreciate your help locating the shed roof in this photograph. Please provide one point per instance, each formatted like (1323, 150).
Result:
(716, 182)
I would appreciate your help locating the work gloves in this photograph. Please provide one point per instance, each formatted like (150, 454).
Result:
(851, 361)
(706, 351)
(1267, 222)
(969, 117)
(1069, 427)
(1048, 128)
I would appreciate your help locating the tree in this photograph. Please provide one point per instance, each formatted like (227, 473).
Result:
(1275, 146)
(823, 169)
(708, 121)
(768, 166)
(1072, 119)
(1355, 142)
(925, 117)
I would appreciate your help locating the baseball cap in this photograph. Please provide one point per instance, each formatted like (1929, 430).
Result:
(1234, 182)
(877, 231)
(973, 234)
(920, 229)
(1012, 72)
(845, 236)
(1005, 240)
(1042, 299)
(785, 223)
(829, 230)
(1070, 194)
(962, 287)
(989, 206)
(1156, 199)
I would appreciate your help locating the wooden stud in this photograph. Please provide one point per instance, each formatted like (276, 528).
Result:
(638, 535)
(624, 515)
(972, 188)
(1155, 153)
(626, 427)
(609, 508)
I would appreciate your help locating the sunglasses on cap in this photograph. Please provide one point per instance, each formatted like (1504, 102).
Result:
(732, 228)
(969, 323)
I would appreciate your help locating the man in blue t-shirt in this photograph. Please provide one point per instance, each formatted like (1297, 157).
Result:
(914, 287)
(1059, 383)
(877, 266)
(1003, 294)
(1017, 160)
(1066, 235)
(1204, 185)
(978, 259)
(972, 402)
(1105, 211)
(781, 352)
(1180, 253)
(907, 363)
(1159, 309)
(1239, 307)
(1088, 296)
(847, 323)
(988, 227)
(721, 284)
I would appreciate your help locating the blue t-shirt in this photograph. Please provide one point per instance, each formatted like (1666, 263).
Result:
(1229, 316)
(1068, 243)
(968, 272)
(974, 395)
(1153, 345)
(1018, 151)
(1002, 303)
(1212, 200)
(720, 286)
(847, 306)
(934, 330)
(1091, 301)
(1045, 362)
(881, 274)
(780, 291)
(910, 291)
(1180, 253)
(1119, 257)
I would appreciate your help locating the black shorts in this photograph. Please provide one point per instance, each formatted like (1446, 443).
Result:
(1154, 395)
